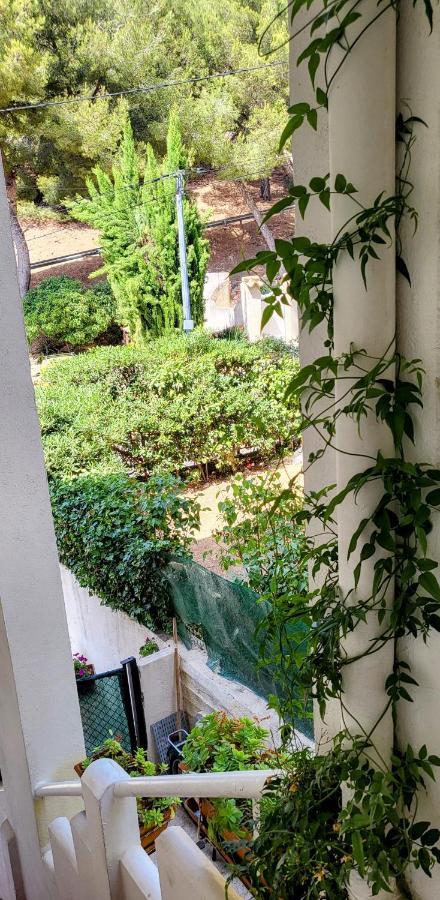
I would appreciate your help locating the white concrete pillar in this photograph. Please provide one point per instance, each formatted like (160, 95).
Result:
(362, 147)
(41, 733)
(418, 335)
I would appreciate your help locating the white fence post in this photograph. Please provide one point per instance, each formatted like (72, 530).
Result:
(64, 860)
(112, 823)
(140, 877)
(184, 872)
(7, 887)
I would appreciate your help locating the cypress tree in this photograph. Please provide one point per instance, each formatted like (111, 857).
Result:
(139, 237)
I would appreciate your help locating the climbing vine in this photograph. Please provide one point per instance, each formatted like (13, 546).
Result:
(376, 831)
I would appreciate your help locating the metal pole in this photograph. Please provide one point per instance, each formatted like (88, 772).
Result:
(188, 323)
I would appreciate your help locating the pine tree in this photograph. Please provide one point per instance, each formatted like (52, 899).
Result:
(138, 230)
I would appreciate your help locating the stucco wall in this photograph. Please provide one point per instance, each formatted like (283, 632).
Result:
(103, 635)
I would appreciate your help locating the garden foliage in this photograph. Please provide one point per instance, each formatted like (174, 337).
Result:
(61, 313)
(219, 743)
(268, 544)
(58, 49)
(137, 223)
(190, 406)
(116, 535)
(152, 811)
(263, 534)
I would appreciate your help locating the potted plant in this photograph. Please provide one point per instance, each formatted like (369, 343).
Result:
(148, 648)
(154, 813)
(219, 743)
(83, 670)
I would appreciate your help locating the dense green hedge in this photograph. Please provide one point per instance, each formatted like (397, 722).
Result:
(116, 535)
(178, 401)
(62, 312)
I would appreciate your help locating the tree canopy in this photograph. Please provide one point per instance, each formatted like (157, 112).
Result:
(59, 49)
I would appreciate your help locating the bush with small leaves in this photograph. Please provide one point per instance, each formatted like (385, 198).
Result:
(193, 406)
(61, 313)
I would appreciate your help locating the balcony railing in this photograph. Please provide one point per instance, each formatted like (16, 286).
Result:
(98, 852)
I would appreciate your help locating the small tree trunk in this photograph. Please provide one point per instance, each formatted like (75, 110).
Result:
(258, 216)
(289, 176)
(265, 192)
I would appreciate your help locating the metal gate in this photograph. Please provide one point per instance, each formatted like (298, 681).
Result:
(111, 706)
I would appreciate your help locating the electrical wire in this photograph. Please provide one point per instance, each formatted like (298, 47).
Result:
(140, 89)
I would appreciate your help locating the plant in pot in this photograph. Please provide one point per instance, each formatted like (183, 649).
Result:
(148, 648)
(154, 813)
(83, 671)
(219, 743)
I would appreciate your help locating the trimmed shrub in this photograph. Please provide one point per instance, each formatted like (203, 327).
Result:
(188, 405)
(62, 312)
(116, 535)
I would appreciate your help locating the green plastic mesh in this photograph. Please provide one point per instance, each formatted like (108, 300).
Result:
(224, 616)
(103, 711)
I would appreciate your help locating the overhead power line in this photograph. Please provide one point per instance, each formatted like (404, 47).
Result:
(244, 176)
(140, 89)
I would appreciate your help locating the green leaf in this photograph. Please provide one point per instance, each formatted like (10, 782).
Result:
(303, 203)
(321, 97)
(325, 198)
(402, 268)
(278, 207)
(312, 118)
(429, 583)
(293, 124)
(268, 312)
(340, 184)
(430, 837)
(425, 861)
(358, 851)
(418, 829)
(313, 66)
(318, 184)
(244, 266)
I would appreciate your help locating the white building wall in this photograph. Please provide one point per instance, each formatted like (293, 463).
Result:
(38, 693)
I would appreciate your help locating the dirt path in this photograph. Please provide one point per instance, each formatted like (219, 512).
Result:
(215, 199)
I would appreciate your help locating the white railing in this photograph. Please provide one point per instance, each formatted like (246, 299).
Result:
(248, 784)
(98, 852)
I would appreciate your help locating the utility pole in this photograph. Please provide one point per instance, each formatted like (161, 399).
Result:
(188, 323)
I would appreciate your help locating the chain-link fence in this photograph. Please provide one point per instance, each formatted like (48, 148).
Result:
(111, 705)
(223, 616)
